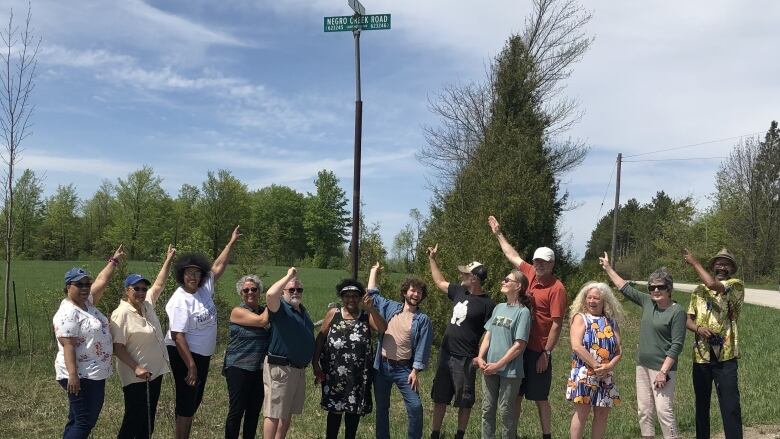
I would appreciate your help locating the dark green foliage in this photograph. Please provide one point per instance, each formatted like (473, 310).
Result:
(326, 221)
(222, 206)
(513, 174)
(277, 222)
(745, 218)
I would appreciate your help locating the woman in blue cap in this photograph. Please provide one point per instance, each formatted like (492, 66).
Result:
(139, 345)
(84, 347)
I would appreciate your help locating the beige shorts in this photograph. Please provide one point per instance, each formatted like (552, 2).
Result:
(285, 391)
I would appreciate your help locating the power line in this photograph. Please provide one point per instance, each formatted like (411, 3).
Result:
(666, 160)
(605, 191)
(694, 144)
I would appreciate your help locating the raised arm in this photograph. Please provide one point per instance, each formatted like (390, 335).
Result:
(372, 275)
(219, 265)
(159, 283)
(274, 296)
(438, 278)
(706, 278)
(101, 281)
(375, 319)
(506, 247)
(613, 276)
(245, 317)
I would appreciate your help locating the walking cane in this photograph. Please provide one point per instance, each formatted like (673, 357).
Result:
(148, 410)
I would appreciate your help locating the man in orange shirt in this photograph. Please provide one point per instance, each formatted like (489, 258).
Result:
(548, 296)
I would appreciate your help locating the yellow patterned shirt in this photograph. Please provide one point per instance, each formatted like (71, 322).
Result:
(719, 313)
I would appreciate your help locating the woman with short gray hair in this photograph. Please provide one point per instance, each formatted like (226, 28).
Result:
(249, 335)
(661, 339)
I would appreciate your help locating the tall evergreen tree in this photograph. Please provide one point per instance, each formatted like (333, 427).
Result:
(513, 174)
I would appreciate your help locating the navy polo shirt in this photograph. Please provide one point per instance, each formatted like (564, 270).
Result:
(292, 335)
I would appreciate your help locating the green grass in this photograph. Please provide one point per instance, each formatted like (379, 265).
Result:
(33, 405)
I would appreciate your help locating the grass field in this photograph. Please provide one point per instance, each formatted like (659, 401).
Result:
(33, 405)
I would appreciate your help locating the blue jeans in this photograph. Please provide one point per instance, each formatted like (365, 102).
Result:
(84, 408)
(386, 376)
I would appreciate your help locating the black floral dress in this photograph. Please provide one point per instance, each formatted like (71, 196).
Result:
(347, 360)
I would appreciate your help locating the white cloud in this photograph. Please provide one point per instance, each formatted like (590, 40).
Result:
(171, 24)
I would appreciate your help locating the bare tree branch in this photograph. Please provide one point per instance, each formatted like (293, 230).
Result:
(18, 68)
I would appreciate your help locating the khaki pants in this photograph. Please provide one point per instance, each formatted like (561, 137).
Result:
(285, 391)
(652, 401)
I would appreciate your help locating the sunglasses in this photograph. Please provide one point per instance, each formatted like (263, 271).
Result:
(247, 290)
(82, 285)
(507, 280)
(140, 289)
(656, 287)
(295, 290)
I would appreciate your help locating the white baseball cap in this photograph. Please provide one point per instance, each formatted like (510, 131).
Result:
(544, 253)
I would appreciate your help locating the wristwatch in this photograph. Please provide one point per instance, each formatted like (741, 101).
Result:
(549, 353)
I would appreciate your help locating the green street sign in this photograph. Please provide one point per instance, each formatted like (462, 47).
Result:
(362, 22)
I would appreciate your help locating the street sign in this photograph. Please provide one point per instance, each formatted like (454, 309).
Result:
(357, 7)
(362, 22)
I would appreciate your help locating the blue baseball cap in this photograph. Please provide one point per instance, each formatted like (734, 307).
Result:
(135, 278)
(75, 274)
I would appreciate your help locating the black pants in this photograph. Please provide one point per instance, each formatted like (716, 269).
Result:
(135, 423)
(724, 374)
(351, 422)
(245, 390)
(188, 398)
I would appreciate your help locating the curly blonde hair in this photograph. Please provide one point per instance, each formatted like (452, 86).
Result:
(612, 307)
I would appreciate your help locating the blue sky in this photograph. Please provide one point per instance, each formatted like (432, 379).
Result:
(258, 88)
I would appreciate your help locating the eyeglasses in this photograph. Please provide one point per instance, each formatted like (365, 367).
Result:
(140, 289)
(82, 285)
(507, 280)
(247, 290)
(192, 272)
(656, 287)
(295, 290)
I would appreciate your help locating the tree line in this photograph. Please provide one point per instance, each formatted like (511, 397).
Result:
(281, 225)
(744, 217)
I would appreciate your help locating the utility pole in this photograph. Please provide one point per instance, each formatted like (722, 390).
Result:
(355, 23)
(355, 246)
(615, 211)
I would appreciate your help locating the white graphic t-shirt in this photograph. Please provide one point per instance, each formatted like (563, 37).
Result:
(196, 316)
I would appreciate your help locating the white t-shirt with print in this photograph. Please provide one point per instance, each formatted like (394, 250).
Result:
(196, 316)
(93, 342)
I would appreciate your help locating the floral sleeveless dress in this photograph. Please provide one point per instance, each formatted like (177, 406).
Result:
(347, 360)
(583, 386)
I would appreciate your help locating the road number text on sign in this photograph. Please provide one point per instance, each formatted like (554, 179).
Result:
(363, 22)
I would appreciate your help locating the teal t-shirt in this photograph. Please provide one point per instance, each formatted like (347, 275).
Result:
(506, 325)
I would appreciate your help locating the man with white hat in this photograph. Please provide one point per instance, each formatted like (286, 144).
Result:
(455, 374)
(548, 296)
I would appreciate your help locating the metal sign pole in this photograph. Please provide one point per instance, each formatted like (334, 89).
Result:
(358, 140)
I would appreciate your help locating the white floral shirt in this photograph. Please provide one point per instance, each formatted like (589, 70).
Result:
(92, 336)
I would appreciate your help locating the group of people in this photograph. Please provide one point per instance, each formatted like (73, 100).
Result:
(510, 344)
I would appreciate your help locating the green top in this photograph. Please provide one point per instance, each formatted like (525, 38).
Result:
(718, 313)
(661, 332)
(507, 325)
